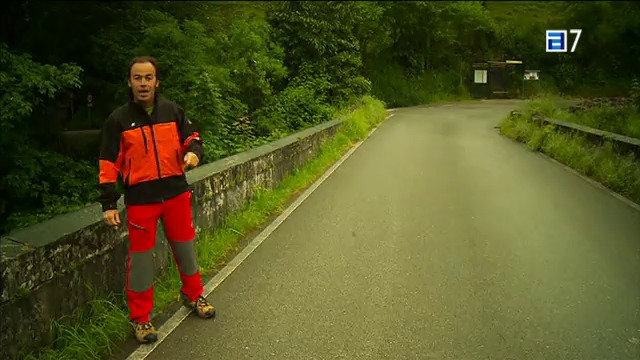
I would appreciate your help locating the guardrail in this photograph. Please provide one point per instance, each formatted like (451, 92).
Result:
(623, 144)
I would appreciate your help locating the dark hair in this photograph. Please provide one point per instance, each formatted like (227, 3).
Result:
(145, 59)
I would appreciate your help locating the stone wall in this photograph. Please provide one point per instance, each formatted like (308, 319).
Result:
(53, 268)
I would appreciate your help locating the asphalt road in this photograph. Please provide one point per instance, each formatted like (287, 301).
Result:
(436, 239)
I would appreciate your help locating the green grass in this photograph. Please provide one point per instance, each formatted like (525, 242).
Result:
(548, 105)
(94, 332)
(618, 172)
(623, 121)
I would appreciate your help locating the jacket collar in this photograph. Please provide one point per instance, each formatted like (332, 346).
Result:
(138, 107)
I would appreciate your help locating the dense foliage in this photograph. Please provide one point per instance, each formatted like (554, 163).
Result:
(250, 72)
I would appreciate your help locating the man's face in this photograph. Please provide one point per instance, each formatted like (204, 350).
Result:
(143, 82)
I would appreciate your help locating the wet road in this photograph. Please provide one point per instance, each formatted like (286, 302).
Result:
(436, 239)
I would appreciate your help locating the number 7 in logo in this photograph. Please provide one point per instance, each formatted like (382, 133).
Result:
(578, 32)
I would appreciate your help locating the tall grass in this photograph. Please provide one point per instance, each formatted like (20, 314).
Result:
(91, 333)
(548, 105)
(620, 120)
(619, 172)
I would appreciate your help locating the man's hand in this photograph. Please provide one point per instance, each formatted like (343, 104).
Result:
(190, 160)
(112, 217)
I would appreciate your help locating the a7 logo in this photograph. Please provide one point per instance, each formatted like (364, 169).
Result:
(557, 40)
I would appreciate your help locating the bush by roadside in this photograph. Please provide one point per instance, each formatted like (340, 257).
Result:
(619, 172)
(95, 331)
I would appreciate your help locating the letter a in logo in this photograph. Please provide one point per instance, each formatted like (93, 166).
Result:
(556, 40)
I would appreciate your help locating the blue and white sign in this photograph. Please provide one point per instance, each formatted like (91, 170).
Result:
(557, 40)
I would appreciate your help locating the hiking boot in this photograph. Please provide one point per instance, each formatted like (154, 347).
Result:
(201, 306)
(145, 332)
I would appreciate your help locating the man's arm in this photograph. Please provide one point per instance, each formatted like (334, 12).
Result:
(110, 163)
(189, 137)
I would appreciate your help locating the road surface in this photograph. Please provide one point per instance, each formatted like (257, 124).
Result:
(437, 239)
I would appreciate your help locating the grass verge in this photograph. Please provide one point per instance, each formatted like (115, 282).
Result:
(620, 173)
(619, 120)
(94, 332)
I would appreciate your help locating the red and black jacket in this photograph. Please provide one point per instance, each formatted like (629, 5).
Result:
(147, 152)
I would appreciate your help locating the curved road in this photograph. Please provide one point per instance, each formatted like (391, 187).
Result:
(436, 239)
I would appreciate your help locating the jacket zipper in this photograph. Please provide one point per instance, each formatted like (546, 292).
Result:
(155, 147)
(144, 137)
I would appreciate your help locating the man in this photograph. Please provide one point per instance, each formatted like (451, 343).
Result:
(149, 143)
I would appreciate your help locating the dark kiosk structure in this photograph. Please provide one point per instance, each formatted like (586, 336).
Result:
(496, 79)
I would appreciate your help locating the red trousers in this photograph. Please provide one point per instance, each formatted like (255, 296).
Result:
(142, 222)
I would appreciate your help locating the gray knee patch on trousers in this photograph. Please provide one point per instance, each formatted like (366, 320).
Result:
(141, 271)
(185, 253)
